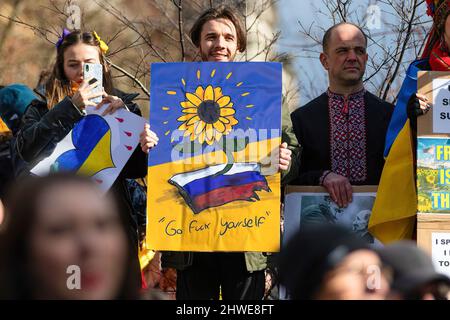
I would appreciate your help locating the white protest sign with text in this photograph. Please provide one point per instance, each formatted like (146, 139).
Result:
(440, 252)
(441, 105)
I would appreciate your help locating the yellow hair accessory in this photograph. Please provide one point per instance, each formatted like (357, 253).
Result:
(103, 46)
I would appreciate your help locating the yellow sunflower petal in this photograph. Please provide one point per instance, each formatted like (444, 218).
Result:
(183, 126)
(219, 126)
(193, 120)
(193, 137)
(193, 99)
(218, 135)
(189, 110)
(224, 101)
(187, 104)
(201, 137)
(186, 117)
(190, 128)
(199, 92)
(218, 93)
(227, 112)
(224, 120)
(199, 127)
(233, 121)
(209, 93)
(209, 133)
(228, 128)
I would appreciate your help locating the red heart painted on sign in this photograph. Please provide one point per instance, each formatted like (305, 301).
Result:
(99, 181)
(129, 147)
(119, 119)
(128, 133)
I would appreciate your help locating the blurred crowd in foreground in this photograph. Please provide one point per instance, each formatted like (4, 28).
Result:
(62, 239)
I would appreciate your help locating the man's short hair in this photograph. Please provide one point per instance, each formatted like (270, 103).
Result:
(221, 12)
(327, 35)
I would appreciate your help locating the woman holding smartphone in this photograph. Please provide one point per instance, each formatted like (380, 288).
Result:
(67, 94)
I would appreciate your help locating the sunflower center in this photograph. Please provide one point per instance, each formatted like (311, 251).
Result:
(209, 111)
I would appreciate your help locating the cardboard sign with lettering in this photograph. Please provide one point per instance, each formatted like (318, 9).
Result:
(433, 164)
(435, 85)
(440, 252)
(433, 174)
(433, 144)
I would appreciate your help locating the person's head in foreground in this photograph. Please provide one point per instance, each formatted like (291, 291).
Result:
(414, 276)
(1, 212)
(327, 262)
(62, 238)
(14, 99)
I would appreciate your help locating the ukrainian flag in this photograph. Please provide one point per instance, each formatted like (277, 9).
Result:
(394, 211)
(91, 138)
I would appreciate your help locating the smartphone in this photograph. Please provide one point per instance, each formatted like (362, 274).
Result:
(94, 71)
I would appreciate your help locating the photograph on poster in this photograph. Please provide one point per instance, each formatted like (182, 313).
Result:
(309, 208)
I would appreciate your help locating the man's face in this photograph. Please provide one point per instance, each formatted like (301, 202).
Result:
(218, 41)
(361, 220)
(346, 57)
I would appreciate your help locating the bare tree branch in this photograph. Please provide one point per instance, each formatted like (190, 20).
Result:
(122, 18)
(180, 27)
(143, 88)
(17, 5)
(402, 51)
(44, 33)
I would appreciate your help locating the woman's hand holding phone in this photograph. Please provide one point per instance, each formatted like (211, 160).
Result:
(81, 98)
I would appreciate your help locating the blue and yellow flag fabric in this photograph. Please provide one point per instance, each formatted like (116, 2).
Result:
(212, 178)
(91, 137)
(97, 146)
(399, 117)
(394, 211)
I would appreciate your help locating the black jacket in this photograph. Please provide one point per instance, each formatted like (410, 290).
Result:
(42, 129)
(312, 129)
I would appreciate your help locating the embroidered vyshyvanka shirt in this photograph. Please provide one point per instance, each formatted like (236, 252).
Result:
(348, 141)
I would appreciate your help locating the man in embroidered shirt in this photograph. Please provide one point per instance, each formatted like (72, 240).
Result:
(343, 130)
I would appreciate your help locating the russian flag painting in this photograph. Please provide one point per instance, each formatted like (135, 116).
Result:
(203, 189)
(213, 183)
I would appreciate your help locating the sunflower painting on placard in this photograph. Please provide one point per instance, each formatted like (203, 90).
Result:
(213, 183)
